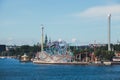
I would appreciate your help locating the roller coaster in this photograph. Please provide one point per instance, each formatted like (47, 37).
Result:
(55, 52)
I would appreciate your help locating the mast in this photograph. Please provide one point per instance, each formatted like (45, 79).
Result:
(109, 32)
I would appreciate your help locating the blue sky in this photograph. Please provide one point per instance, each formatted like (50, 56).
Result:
(82, 21)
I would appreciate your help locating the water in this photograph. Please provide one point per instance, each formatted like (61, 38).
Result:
(12, 69)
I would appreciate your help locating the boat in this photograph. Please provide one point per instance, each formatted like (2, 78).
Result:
(116, 59)
(107, 62)
(2, 57)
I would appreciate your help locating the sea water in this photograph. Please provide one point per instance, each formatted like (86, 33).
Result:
(12, 69)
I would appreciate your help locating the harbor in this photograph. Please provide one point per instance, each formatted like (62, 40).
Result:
(109, 63)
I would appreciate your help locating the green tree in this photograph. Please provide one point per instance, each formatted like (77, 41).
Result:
(46, 40)
(104, 54)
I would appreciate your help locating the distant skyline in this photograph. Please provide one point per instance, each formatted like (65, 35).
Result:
(80, 21)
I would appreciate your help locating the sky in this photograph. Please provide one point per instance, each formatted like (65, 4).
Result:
(74, 21)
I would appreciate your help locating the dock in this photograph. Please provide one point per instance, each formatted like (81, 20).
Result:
(78, 63)
(115, 63)
(64, 63)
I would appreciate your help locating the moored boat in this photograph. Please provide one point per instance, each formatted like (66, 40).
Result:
(107, 62)
(2, 57)
(116, 59)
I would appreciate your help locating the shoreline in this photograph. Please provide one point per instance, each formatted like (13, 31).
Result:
(67, 63)
(78, 63)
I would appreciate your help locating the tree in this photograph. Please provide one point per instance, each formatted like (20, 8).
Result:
(104, 54)
(46, 40)
(25, 48)
(116, 47)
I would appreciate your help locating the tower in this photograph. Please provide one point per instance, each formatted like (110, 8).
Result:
(109, 32)
(42, 39)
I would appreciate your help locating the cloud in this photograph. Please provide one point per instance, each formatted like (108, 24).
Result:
(74, 40)
(59, 39)
(101, 11)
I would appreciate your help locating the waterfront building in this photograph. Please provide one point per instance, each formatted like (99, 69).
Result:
(2, 48)
(117, 56)
(24, 58)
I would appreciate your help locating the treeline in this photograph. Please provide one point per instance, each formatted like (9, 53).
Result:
(101, 52)
(21, 50)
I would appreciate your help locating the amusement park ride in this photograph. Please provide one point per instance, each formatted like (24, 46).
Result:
(56, 52)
